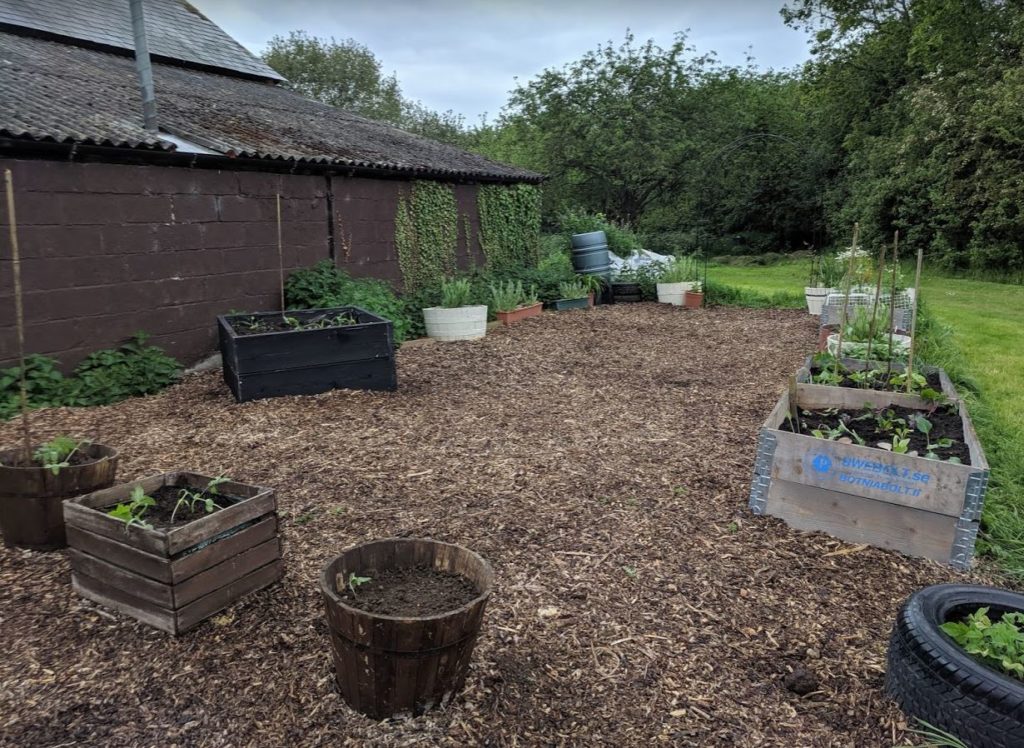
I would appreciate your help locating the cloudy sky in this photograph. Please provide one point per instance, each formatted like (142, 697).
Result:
(465, 54)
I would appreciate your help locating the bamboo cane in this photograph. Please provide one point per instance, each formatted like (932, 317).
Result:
(878, 293)
(19, 315)
(280, 255)
(892, 298)
(848, 281)
(913, 317)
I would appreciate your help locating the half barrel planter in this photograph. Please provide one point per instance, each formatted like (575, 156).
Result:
(563, 305)
(31, 498)
(173, 579)
(449, 324)
(388, 666)
(307, 362)
(517, 315)
(674, 293)
(913, 505)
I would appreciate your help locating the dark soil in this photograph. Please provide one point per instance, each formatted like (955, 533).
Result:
(257, 325)
(880, 382)
(14, 460)
(159, 515)
(600, 462)
(414, 591)
(946, 423)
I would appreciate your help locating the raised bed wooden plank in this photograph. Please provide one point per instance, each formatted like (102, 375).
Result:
(190, 564)
(233, 515)
(147, 564)
(198, 611)
(82, 517)
(376, 374)
(860, 520)
(141, 587)
(111, 597)
(231, 569)
(256, 354)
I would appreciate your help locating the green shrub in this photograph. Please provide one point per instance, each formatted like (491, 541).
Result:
(680, 270)
(507, 296)
(573, 290)
(413, 304)
(114, 374)
(999, 645)
(44, 385)
(621, 239)
(457, 292)
(646, 276)
(325, 285)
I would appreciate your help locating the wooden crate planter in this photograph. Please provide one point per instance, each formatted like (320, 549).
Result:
(902, 399)
(307, 362)
(860, 494)
(173, 579)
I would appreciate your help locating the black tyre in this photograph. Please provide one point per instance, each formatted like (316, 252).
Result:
(933, 679)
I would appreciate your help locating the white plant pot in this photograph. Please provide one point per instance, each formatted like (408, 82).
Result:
(815, 296)
(900, 344)
(672, 293)
(458, 323)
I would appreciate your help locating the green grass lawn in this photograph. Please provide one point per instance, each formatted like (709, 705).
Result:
(985, 349)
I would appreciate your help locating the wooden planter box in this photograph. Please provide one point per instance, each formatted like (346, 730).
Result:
(525, 312)
(867, 495)
(173, 579)
(625, 293)
(902, 399)
(561, 305)
(307, 362)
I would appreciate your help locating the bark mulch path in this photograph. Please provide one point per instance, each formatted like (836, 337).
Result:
(599, 459)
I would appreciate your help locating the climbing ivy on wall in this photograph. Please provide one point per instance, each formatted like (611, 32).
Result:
(426, 234)
(509, 225)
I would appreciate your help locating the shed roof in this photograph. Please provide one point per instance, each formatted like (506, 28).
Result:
(175, 30)
(57, 92)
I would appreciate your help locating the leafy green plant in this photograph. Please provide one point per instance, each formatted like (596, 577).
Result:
(354, 582)
(45, 386)
(680, 270)
(56, 453)
(509, 225)
(456, 292)
(573, 290)
(999, 645)
(925, 427)
(323, 286)
(507, 296)
(111, 375)
(190, 498)
(427, 233)
(133, 512)
(826, 271)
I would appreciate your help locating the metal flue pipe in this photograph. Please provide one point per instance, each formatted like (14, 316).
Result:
(144, 67)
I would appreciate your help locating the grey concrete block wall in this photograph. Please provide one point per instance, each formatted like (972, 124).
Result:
(110, 249)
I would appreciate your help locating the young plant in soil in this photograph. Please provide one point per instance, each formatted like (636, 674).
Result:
(252, 325)
(894, 429)
(411, 591)
(998, 645)
(58, 453)
(135, 510)
(170, 505)
(191, 499)
(825, 369)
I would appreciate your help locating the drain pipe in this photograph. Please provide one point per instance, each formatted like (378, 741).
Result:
(144, 67)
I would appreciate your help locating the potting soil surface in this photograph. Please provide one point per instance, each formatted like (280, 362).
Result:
(599, 459)
(413, 591)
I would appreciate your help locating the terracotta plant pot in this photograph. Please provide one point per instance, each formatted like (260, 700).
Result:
(523, 312)
(31, 514)
(693, 300)
(390, 666)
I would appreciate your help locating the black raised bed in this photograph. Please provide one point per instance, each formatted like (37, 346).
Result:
(305, 362)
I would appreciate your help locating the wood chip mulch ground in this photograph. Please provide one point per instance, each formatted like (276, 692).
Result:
(599, 459)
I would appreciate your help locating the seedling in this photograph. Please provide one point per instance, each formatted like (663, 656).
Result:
(357, 581)
(191, 499)
(132, 513)
(925, 427)
(56, 454)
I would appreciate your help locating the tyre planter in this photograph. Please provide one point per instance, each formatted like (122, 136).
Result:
(458, 323)
(175, 578)
(31, 498)
(564, 305)
(626, 293)
(387, 666)
(307, 362)
(914, 505)
(693, 300)
(815, 297)
(673, 293)
(933, 679)
(517, 315)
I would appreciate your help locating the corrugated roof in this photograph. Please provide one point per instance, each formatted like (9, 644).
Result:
(64, 93)
(174, 29)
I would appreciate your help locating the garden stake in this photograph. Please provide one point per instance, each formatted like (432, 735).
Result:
(913, 317)
(846, 295)
(19, 315)
(892, 298)
(874, 310)
(280, 256)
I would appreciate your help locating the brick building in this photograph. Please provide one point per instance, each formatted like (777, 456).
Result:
(122, 229)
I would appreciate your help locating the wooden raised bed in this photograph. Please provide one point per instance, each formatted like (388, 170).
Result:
(173, 579)
(867, 495)
(388, 666)
(904, 399)
(307, 362)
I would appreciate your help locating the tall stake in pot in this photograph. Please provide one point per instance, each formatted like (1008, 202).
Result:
(19, 316)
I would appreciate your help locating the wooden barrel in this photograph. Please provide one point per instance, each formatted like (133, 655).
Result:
(31, 514)
(387, 666)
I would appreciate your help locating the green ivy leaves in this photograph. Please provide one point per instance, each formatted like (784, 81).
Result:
(509, 225)
(427, 234)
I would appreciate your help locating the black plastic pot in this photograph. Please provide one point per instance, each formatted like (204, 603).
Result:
(624, 293)
(561, 305)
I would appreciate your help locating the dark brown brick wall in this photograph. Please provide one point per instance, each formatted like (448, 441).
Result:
(109, 249)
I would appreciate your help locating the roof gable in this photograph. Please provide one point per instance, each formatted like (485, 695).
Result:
(175, 30)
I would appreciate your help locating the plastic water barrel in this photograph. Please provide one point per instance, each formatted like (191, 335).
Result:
(590, 253)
